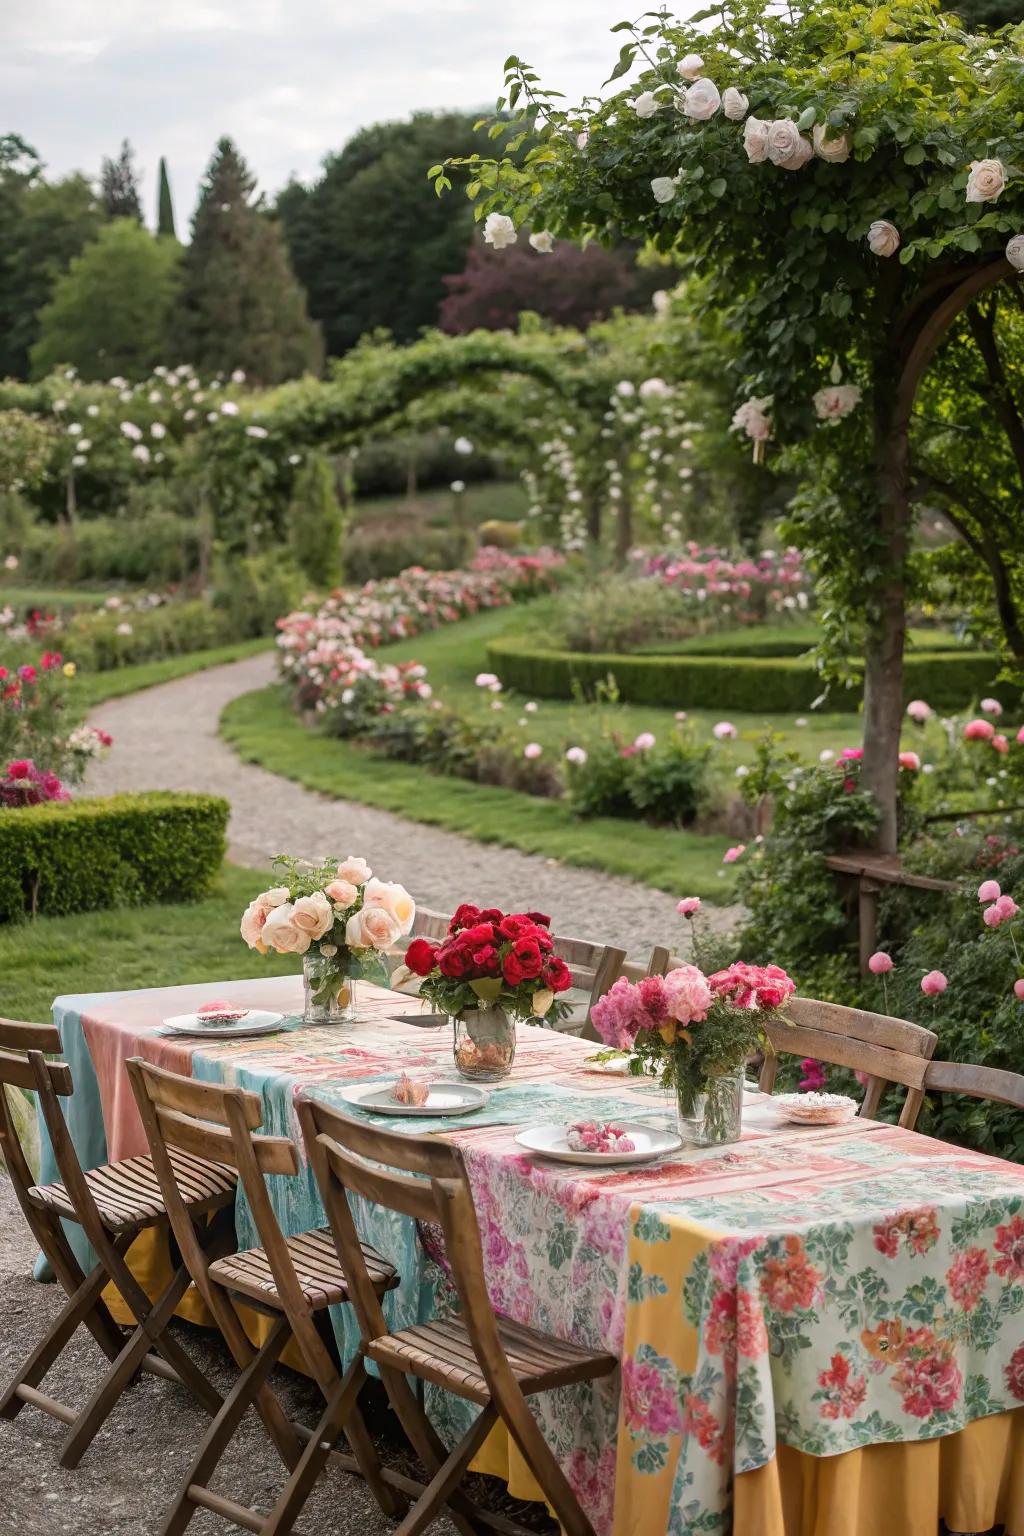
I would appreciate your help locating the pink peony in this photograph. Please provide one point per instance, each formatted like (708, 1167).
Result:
(724, 730)
(989, 890)
(687, 994)
(1018, 988)
(1000, 744)
(532, 750)
(689, 906)
(979, 730)
(919, 711)
(992, 707)
(910, 761)
(645, 741)
(880, 963)
(933, 983)
(732, 854)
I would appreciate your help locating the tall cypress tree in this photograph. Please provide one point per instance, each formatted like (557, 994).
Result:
(164, 206)
(240, 305)
(119, 186)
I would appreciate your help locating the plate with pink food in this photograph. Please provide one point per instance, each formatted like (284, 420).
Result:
(596, 1141)
(219, 1020)
(409, 1097)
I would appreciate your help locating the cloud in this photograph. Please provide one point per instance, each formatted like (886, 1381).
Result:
(290, 80)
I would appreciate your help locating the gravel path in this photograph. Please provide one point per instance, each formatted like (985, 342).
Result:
(166, 738)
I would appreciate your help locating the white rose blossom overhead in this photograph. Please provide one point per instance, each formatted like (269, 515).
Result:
(986, 181)
(883, 238)
(690, 66)
(734, 104)
(834, 149)
(1015, 252)
(702, 100)
(646, 104)
(752, 418)
(783, 140)
(836, 401)
(543, 240)
(755, 140)
(499, 231)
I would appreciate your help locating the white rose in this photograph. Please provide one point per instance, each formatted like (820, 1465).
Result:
(251, 927)
(752, 418)
(1015, 252)
(734, 104)
(690, 66)
(650, 389)
(354, 869)
(499, 231)
(391, 898)
(372, 928)
(664, 188)
(280, 933)
(274, 897)
(543, 240)
(835, 149)
(883, 238)
(313, 915)
(986, 181)
(342, 892)
(783, 140)
(755, 140)
(836, 401)
(803, 152)
(702, 100)
(661, 302)
(646, 104)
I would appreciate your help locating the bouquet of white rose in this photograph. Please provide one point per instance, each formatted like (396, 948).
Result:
(339, 917)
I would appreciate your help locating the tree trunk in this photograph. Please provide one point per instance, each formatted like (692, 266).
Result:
(887, 627)
(623, 525)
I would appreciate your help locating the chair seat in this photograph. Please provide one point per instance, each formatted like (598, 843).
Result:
(317, 1266)
(127, 1194)
(441, 1352)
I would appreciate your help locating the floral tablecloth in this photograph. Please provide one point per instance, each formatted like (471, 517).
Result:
(825, 1289)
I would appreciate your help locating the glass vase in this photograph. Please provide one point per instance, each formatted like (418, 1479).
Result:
(485, 1044)
(710, 1114)
(330, 993)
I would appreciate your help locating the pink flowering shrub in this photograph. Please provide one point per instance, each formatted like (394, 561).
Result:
(23, 783)
(717, 589)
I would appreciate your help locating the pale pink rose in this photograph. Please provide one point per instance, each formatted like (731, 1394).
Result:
(986, 181)
(832, 147)
(313, 915)
(354, 869)
(282, 934)
(910, 761)
(342, 892)
(732, 854)
(1000, 744)
(1018, 988)
(919, 711)
(933, 983)
(991, 707)
(702, 100)
(274, 897)
(979, 730)
(1020, 737)
(880, 963)
(724, 731)
(689, 906)
(1007, 907)
(734, 104)
(645, 741)
(992, 916)
(394, 899)
(251, 926)
(371, 928)
(883, 238)
(989, 890)
(690, 66)
(755, 140)
(532, 750)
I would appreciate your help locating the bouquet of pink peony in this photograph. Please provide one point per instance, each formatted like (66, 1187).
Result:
(697, 1032)
(339, 917)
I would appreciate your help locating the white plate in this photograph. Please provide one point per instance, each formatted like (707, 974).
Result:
(443, 1099)
(549, 1140)
(256, 1022)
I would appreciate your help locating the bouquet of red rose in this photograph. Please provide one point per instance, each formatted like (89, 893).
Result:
(493, 959)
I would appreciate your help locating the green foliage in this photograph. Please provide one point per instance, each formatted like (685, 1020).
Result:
(369, 240)
(165, 204)
(124, 851)
(668, 784)
(315, 523)
(990, 14)
(371, 556)
(616, 615)
(252, 592)
(110, 312)
(240, 305)
(119, 186)
(44, 225)
(155, 548)
(754, 684)
(99, 641)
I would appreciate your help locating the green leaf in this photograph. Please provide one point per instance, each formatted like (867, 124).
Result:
(914, 155)
(807, 118)
(717, 188)
(487, 988)
(627, 53)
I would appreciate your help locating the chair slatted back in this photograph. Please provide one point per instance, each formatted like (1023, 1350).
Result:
(422, 1177)
(992, 1083)
(887, 1050)
(23, 1066)
(613, 966)
(216, 1123)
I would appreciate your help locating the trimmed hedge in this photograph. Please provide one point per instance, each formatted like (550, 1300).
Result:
(129, 850)
(747, 684)
(769, 640)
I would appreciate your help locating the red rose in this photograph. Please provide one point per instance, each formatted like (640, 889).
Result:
(20, 769)
(464, 917)
(486, 960)
(480, 933)
(491, 915)
(454, 961)
(525, 959)
(556, 974)
(421, 957)
(540, 918)
(515, 924)
(512, 970)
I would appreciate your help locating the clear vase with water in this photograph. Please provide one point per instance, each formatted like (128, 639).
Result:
(485, 1044)
(710, 1113)
(330, 993)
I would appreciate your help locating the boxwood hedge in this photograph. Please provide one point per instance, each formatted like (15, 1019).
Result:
(949, 680)
(84, 855)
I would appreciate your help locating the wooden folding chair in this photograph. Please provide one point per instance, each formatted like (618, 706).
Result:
(886, 1050)
(493, 1362)
(292, 1280)
(112, 1204)
(991, 1083)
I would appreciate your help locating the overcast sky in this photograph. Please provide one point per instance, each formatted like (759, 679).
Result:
(289, 80)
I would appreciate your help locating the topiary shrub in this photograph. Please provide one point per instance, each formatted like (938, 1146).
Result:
(129, 850)
(316, 523)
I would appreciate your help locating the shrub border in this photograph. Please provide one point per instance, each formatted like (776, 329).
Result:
(747, 684)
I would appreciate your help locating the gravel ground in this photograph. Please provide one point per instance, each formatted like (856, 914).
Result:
(166, 738)
(134, 1467)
